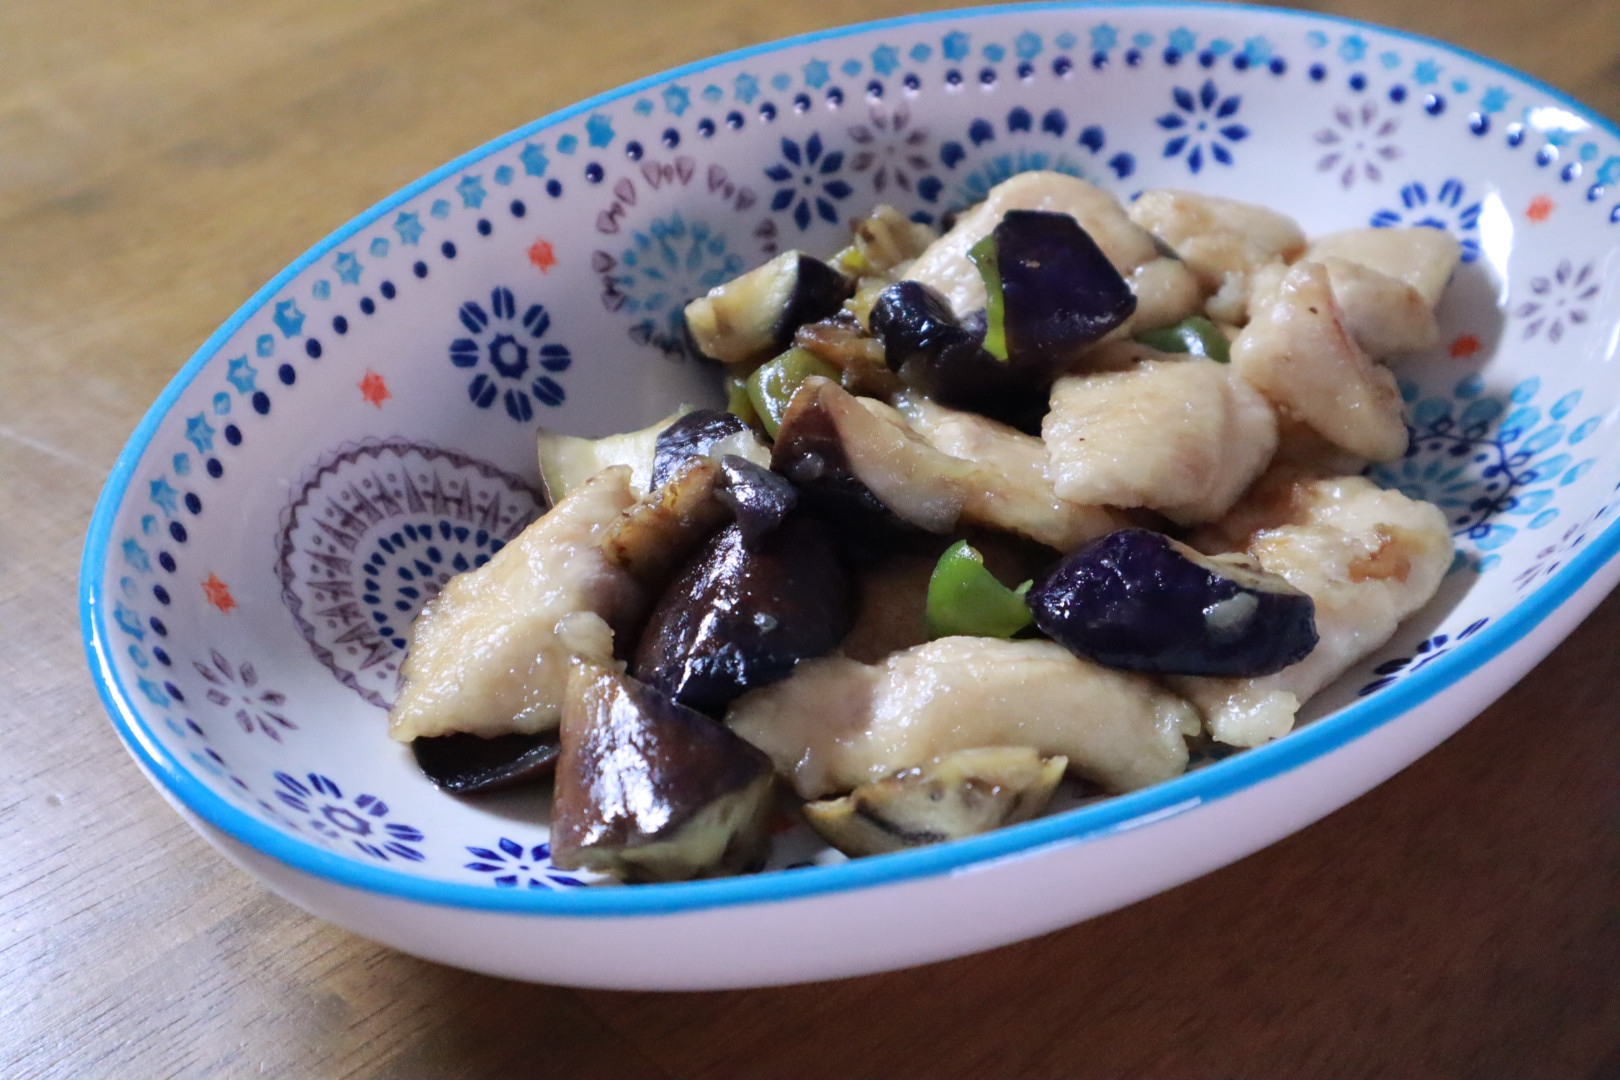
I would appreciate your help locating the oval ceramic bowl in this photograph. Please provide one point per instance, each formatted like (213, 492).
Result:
(364, 426)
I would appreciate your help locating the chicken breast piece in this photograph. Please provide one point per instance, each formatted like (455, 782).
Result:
(1367, 557)
(1221, 241)
(1386, 316)
(1183, 437)
(490, 653)
(1166, 292)
(1299, 353)
(1422, 257)
(1009, 487)
(836, 724)
(945, 266)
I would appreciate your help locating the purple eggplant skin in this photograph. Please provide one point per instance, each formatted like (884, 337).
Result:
(945, 357)
(693, 435)
(648, 790)
(1060, 294)
(810, 454)
(759, 500)
(465, 764)
(754, 316)
(1140, 601)
(738, 617)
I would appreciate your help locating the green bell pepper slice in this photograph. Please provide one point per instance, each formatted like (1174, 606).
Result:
(965, 599)
(1195, 335)
(983, 256)
(774, 382)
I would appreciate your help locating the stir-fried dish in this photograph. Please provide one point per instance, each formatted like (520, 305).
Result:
(1069, 491)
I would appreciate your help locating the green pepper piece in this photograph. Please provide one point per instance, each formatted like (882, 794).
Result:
(773, 383)
(983, 255)
(966, 599)
(738, 403)
(1194, 334)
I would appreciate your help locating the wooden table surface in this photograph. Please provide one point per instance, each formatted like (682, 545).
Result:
(159, 161)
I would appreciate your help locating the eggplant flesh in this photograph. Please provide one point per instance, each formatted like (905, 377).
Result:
(567, 461)
(741, 615)
(1059, 293)
(955, 796)
(466, 764)
(648, 790)
(1139, 601)
(753, 317)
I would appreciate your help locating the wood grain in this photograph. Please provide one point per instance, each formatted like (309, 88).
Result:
(160, 160)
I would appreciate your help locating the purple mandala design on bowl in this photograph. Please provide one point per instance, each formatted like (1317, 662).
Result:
(257, 708)
(1357, 144)
(1559, 301)
(374, 534)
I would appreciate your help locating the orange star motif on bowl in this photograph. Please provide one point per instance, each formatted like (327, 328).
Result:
(374, 389)
(542, 256)
(219, 594)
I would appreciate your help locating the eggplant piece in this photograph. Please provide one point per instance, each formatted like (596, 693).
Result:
(753, 316)
(741, 616)
(567, 461)
(883, 239)
(1053, 292)
(465, 764)
(945, 266)
(863, 368)
(858, 463)
(648, 790)
(958, 795)
(652, 537)
(1139, 601)
(759, 500)
(708, 433)
(945, 358)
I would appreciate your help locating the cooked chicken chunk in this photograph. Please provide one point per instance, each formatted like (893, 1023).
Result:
(1166, 292)
(1009, 487)
(487, 657)
(945, 266)
(836, 724)
(1367, 557)
(1299, 353)
(1386, 316)
(1422, 257)
(1222, 241)
(1183, 437)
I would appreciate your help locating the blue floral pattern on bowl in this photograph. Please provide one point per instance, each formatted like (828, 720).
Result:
(511, 865)
(1202, 119)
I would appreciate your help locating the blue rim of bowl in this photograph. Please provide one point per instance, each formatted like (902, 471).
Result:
(1121, 813)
